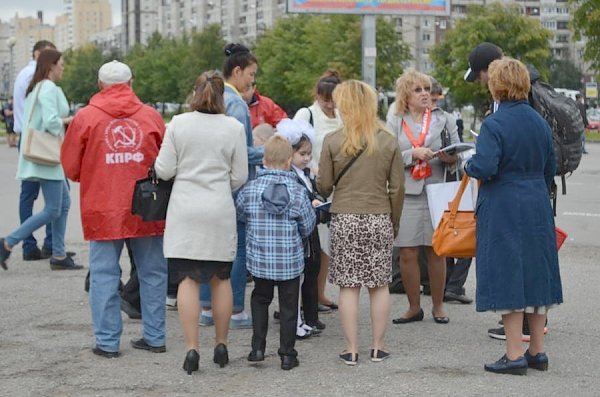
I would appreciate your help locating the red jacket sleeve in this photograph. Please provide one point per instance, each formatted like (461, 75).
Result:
(273, 112)
(71, 153)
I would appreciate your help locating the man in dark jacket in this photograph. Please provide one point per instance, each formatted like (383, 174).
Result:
(583, 110)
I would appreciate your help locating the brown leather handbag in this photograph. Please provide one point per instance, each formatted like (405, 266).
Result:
(455, 235)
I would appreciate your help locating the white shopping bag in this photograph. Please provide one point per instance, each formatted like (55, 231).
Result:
(440, 194)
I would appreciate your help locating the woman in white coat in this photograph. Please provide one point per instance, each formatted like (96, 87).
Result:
(205, 151)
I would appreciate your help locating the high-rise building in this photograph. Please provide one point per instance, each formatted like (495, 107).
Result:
(240, 20)
(422, 32)
(108, 41)
(139, 20)
(27, 31)
(63, 32)
(7, 73)
(82, 19)
(245, 20)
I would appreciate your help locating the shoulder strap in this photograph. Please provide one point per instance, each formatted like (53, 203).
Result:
(310, 120)
(35, 101)
(347, 167)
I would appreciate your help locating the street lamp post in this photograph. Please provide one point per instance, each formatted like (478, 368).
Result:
(10, 42)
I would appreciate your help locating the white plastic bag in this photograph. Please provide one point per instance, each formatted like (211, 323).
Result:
(440, 194)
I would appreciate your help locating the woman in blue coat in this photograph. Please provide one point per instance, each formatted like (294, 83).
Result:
(517, 260)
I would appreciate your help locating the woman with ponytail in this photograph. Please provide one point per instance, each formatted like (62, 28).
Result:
(205, 151)
(239, 72)
(325, 118)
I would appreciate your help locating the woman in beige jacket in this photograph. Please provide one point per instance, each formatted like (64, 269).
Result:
(205, 151)
(366, 207)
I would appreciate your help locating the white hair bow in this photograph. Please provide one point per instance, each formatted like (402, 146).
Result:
(292, 130)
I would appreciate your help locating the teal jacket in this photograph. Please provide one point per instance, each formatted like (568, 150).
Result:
(48, 112)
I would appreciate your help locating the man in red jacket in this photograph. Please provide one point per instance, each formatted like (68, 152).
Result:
(263, 109)
(109, 145)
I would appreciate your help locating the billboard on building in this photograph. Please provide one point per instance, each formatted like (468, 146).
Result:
(387, 7)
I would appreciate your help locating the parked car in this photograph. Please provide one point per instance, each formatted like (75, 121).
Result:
(593, 116)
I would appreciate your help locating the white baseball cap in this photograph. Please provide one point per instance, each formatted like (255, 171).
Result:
(114, 72)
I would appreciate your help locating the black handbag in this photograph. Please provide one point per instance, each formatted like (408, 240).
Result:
(151, 197)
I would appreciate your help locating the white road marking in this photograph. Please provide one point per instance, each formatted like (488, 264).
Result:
(581, 214)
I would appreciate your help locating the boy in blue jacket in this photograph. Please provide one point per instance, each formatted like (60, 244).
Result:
(278, 215)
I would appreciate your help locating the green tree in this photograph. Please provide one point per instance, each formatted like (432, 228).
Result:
(564, 74)
(295, 53)
(158, 68)
(80, 78)
(205, 53)
(586, 22)
(519, 36)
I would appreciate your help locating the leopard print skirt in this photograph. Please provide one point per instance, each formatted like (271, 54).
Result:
(361, 250)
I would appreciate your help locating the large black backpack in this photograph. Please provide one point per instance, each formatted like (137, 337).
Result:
(564, 118)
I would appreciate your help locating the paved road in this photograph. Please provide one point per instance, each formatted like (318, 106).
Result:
(46, 335)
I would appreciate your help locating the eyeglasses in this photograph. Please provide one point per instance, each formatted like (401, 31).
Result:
(418, 90)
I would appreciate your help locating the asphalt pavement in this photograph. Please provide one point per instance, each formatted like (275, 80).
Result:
(46, 333)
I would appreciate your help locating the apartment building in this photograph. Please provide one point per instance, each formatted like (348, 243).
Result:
(63, 32)
(6, 72)
(17, 38)
(108, 41)
(139, 20)
(421, 32)
(27, 31)
(81, 20)
(240, 20)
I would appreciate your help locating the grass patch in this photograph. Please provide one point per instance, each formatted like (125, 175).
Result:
(592, 136)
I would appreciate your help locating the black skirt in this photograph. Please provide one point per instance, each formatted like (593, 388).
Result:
(199, 271)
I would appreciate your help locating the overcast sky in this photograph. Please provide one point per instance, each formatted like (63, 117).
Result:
(51, 9)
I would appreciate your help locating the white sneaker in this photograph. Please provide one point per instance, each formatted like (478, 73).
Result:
(171, 303)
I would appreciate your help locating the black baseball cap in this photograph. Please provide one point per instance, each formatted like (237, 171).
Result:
(480, 58)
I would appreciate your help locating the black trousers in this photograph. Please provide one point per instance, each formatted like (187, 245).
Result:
(456, 274)
(131, 290)
(262, 296)
(310, 293)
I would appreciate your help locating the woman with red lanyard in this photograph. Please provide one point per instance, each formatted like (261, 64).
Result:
(419, 130)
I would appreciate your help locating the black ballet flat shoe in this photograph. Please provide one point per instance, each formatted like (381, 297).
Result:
(190, 364)
(403, 320)
(440, 320)
(221, 356)
(349, 358)
(379, 355)
(332, 306)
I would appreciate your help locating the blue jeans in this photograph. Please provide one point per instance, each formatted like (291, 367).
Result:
(29, 193)
(238, 275)
(55, 212)
(105, 301)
